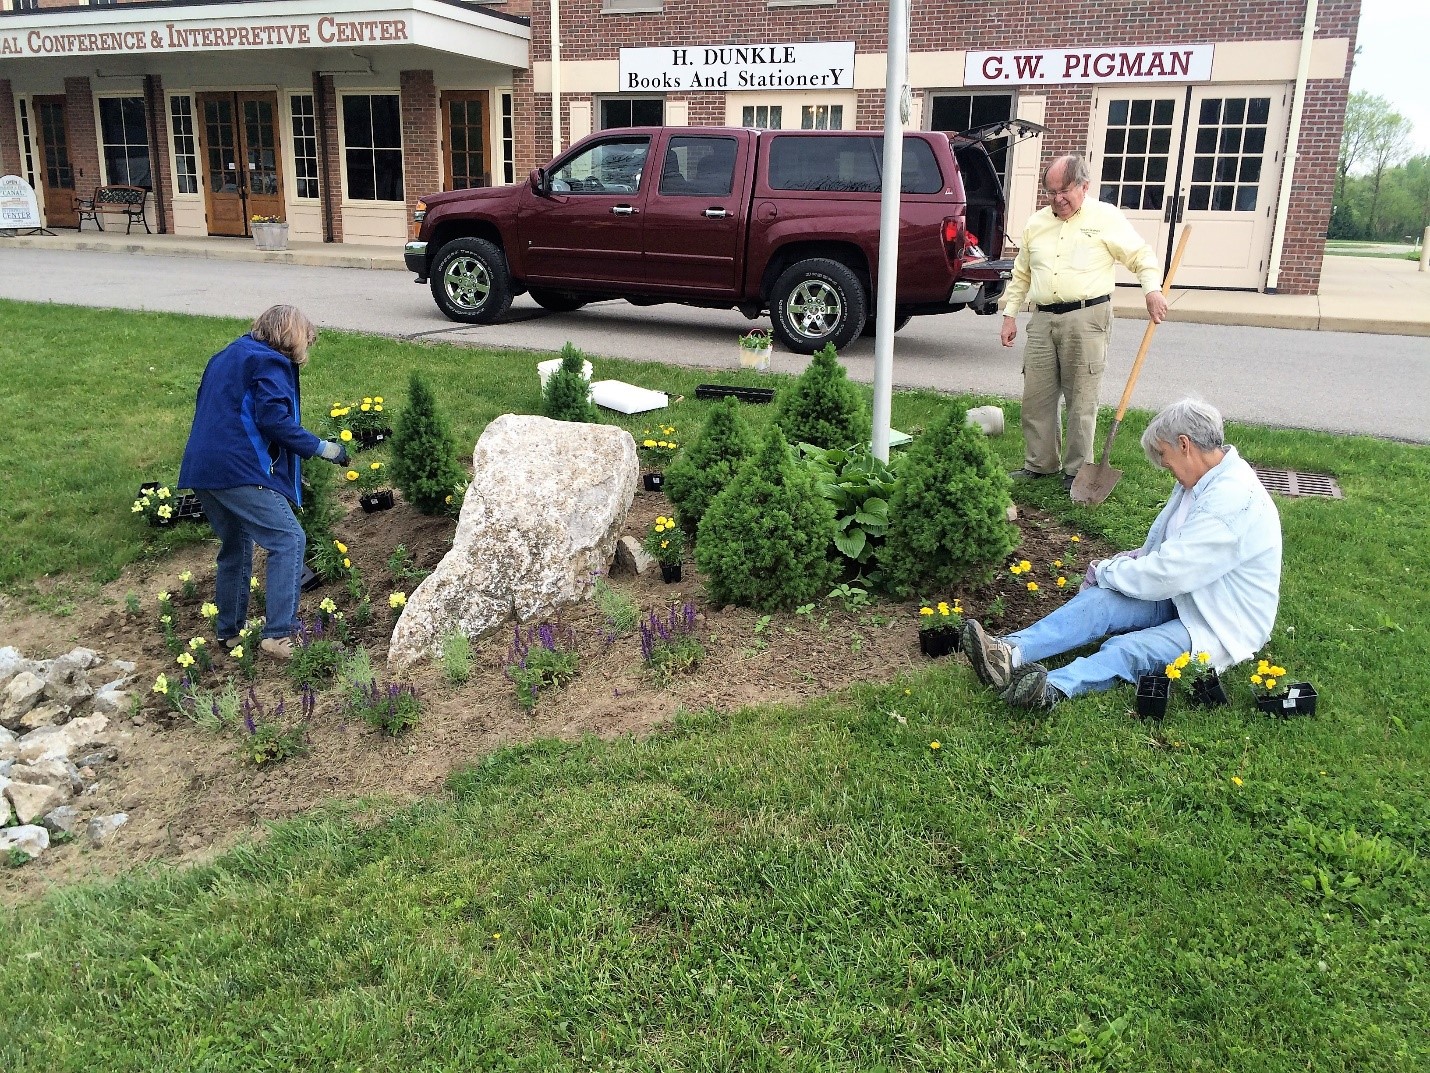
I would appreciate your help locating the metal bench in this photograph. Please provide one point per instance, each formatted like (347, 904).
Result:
(114, 200)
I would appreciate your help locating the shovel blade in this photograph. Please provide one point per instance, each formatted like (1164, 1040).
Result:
(1094, 483)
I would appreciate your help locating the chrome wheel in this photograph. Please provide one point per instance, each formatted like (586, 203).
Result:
(467, 281)
(814, 308)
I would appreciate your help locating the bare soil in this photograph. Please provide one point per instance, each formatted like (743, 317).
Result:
(189, 792)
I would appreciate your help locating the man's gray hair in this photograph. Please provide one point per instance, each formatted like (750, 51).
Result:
(1075, 170)
(1199, 421)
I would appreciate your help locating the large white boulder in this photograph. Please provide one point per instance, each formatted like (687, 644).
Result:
(541, 517)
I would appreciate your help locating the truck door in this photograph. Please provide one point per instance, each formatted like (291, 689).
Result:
(695, 215)
(585, 229)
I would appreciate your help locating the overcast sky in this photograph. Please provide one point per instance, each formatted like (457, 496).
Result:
(1394, 41)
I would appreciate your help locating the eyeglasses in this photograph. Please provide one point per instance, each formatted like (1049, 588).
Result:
(1064, 192)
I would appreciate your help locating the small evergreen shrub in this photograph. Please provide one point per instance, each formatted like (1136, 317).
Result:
(948, 514)
(424, 462)
(567, 393)
(710, 463)
(767, 539)
(823, 407)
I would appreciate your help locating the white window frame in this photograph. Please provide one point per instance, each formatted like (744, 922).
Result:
(343, 144)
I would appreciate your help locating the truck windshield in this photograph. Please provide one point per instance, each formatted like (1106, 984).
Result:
(849, 164)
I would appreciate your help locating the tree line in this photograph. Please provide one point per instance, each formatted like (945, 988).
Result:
(1382, 192)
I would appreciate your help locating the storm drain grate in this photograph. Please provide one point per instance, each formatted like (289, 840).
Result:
(1288, 482)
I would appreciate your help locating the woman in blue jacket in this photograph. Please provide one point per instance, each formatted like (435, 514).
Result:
(243, 461)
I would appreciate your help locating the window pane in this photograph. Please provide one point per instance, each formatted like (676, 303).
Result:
(362, 184)
(125, 141)
(647, 113)
(386, 121)
(702, 167)
(357, 121)
(181, 119)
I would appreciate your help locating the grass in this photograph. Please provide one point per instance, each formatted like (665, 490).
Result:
(813, 888)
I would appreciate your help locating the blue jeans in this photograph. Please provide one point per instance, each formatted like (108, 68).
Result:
(1142, 636)
(243, 517)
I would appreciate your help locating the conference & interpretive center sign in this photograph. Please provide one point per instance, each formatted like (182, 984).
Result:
(805, 66)
(1070, 66)
(367, 28)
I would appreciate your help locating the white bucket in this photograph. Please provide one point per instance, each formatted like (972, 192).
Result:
(544, 369)
(988, 418)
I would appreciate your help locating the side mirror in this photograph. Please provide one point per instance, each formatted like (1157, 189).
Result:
(537, 181)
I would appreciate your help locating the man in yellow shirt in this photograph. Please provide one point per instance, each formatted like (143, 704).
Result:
(1066, 267)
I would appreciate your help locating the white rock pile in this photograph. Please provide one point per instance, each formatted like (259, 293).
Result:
(50, 712)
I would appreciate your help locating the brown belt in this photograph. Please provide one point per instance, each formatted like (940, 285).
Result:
(1068, 307)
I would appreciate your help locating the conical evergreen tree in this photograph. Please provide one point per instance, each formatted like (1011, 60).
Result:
(568, 394)
(823, 407)
(424, 462)
(766, 540)
(701, 473)
(948, 514)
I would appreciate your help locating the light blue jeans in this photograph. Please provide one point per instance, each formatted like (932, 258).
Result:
(1141, 636)
(242, 517)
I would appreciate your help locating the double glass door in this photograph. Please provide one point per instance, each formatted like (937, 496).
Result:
(243, 165)
(1208, 156)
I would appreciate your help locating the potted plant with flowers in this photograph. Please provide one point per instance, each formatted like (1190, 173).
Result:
(1204, 685)
(755, 347)
(359, 424)
(374, 494)
(1276, 696)
(157, 504)
(269, 232)
(665, 543)
(657, 447)
(940, 627)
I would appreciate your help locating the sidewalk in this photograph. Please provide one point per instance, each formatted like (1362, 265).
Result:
(1382, 296)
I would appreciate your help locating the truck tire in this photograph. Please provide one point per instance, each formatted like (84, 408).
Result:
(471, 282)
(872, 324)
(817, 302)
(556, 301)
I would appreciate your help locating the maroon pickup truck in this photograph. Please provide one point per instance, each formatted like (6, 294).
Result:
(784, 221)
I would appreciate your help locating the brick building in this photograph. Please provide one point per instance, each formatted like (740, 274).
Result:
(339, 114)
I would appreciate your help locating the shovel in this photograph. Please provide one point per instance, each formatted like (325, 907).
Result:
(1095, 481)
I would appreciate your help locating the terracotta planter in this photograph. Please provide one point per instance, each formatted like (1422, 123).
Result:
(1298, 699)
(670, 572)
(940, 642)
(375, 501)
(1153, 693)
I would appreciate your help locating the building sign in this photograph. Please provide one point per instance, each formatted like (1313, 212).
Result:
(1067, 66)
(18, 207)
(194, 35)
(811, 65)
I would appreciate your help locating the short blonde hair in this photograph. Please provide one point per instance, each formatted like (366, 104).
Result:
(286, 330)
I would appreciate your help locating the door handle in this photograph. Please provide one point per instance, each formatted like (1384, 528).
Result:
(716, 213)
(1169, 209)
(624, 210)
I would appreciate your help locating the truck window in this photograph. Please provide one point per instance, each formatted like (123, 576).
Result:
(699, 167)
(849, 164)
(612, 167)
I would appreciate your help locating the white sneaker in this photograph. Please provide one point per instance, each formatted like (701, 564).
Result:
(278, 647)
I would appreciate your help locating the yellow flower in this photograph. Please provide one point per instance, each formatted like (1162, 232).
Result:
(1075, 538)
(196, 642)
(166, 511)
(1172, 671)
(164, 493)
(1057, 564)
(935, 745)
(1271, 683)
(1184, 659)
(647, 443)
(1026, 565)
(367, 401)
(236, 651)
(347, 563)
(1263, 667)
(665, 543)
(186, 576)
(138, 506)
(1032, 586)
(375, 466)
(163, 596)
(252, 582)
(334, 412)
(1062, 581)
(496, 935)
(925, 611)
(161, 684)
(1279, 672)
(166, 619)
(340, 546)
(1204, 657)
(209, 611)
(377, 399)
(397, 599)
(1256, 679)
(351, 474)
(1236, 780)
(327, 605)
(183, 659)
(365, 407)
(346, 435)
(377, 407)
(447, 500)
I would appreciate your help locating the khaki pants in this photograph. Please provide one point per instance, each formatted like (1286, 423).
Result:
(1064, 358)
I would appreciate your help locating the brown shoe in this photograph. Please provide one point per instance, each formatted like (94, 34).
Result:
(278, 647)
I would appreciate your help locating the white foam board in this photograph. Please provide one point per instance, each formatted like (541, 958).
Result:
(627, 398)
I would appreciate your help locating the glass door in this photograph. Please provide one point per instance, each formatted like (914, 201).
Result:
(465, 135)
(57, 183)
(1137, 142)
(242, 169)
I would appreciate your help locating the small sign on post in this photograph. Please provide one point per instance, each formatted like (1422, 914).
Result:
(18, 208)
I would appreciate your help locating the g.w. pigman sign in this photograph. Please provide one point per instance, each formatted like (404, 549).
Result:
(1067, 66)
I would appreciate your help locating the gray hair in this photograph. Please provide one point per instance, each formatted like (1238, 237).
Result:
(1199, 421)
(286, 330)
(1075, 170)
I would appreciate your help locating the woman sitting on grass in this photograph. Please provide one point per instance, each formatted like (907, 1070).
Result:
(243, 462)
(1207, 579)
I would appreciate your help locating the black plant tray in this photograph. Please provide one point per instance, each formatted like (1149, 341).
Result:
(372, 437)
(744, 394)
(309, 579)
(185, 505)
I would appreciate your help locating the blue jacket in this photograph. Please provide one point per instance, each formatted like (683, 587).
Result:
(1222, 570)
(247, 426)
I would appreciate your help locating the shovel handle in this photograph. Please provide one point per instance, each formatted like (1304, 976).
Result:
(1151, 327)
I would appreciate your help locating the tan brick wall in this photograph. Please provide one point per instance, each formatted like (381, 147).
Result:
(421, 138)
(330, 172)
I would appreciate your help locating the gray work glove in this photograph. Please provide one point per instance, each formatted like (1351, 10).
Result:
(1090, 578)
(335, 453)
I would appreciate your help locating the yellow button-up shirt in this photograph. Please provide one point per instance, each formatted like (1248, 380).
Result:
(1075, 259)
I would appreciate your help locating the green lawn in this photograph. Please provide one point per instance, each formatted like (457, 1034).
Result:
(783, 889)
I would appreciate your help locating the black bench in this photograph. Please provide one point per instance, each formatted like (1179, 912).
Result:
(114, 200)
